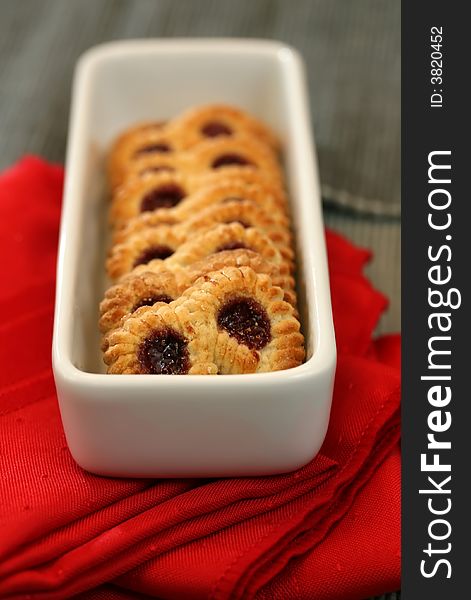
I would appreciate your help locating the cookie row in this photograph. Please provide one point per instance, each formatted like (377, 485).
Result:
(238, 139)
(190, 199)
(230, 321)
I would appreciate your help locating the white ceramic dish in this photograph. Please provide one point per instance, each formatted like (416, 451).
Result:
(180, 425)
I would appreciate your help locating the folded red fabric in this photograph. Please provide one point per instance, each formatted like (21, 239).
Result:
(327, 531)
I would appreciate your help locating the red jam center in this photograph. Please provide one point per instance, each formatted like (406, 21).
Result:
(160, 147)
(151, 253)
(164, 196)
(164, 352)
(232, 246)
(215, 129)
(150, 300)
(226, 160)
(247, 321)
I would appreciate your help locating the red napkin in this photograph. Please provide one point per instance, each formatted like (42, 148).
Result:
(327, 531)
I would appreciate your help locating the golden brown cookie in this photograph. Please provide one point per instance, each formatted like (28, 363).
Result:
(163, 340)
(151, 192)
(142, 140)
(269, 198)
(147, 220)
(229, 321)
(219, 154)
(165, 284)
(247, 214)
(266, 199)
(241, 175)
(223, 239)
(133, 292)
(244, 258)
(257, 330)
(140, 249)
(219, 240)
(221, 121)
(241, 257)
(227, 237)
(229, 258)
(150, 163)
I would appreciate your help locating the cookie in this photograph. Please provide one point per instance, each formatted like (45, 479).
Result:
(247, 176)
(167, 283)
(234, 236)
(247, 214)
(269, 200)
(230, 321)
(245, 258)
(219, 121)
(228, 237)
(162, 340)
(140, 249)
(219, 154)
(257, 330)
(149, 163)
(142, 140)
(220, 240)
(149, 193)
(144, 290)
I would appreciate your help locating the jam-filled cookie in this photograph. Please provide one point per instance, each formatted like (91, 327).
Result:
(270, 198)
(219, 121)
(230, 258)
(245, 154)
(229, 321)
(140, 249)
(234, 236)
(256, 329)
(150, 163)
(149, 193)
(247, 214)
(133, 292)
(162, 340)
(266, 200)
(145, 139)
(247, 176)
(142, 222)
(165, 284)
(218, 240)
(227, 237)
(245, 258)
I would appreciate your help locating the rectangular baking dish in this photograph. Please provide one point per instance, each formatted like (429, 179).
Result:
(180, 425)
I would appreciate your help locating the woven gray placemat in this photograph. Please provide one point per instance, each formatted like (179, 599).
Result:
(352, 52)
(381, 235)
